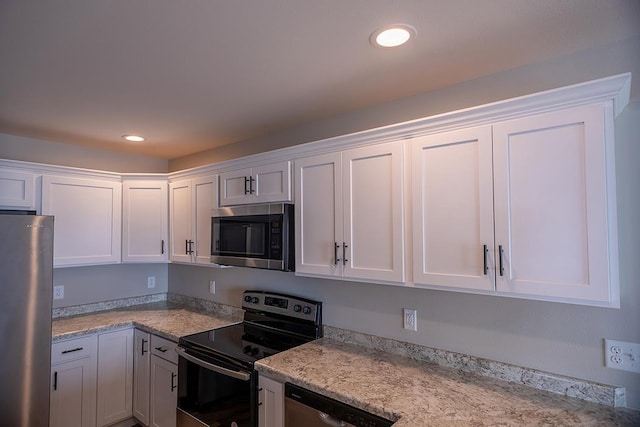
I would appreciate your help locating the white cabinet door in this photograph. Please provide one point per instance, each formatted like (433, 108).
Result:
(272, 183)
(73, 383)
(190, 205)
(204, 199)
(87, 219)
(164, 386)
(555, 219)
(373, 203)
(318, 215)
(236, 187)
(141, 376)
(453, 209)
(260, 184)
(181, 220)
(350, 214)
(115, 377)
(17, 189)
(145, 221)
(271, 401)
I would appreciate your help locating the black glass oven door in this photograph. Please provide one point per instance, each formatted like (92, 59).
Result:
(213, 398)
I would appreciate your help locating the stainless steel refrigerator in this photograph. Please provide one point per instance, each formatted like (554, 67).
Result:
(26, 280)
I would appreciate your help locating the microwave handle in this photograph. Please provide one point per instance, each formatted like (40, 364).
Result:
(244, 376)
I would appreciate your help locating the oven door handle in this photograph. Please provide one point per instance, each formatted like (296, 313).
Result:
(244, 376)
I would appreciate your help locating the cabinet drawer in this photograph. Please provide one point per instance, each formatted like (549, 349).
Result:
(73, 349)
(164, 348)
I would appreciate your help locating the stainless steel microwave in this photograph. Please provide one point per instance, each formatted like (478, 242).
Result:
(258, 236)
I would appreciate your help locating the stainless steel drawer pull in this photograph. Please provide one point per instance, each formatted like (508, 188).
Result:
(161, 349)
(244, 376)
(73, 350)
(485, 252)
(143, 343)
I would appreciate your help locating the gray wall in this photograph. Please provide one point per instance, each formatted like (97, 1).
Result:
(560, 338)
(85, 285)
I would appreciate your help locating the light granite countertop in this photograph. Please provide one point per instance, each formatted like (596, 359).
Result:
(417, 393)
(166, 319)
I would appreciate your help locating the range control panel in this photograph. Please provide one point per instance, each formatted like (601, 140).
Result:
(286, 305)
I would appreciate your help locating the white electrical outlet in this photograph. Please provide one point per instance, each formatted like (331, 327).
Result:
(151, 282)
(212, 286)
(622, 355)
(58, 292)
(410, 318)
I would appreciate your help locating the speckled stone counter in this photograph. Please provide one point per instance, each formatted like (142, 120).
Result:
(417, 393)
(166, 319)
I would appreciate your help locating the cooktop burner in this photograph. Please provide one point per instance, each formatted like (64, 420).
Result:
(272, 323)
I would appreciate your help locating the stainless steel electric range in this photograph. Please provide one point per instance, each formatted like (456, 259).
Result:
(217, 384)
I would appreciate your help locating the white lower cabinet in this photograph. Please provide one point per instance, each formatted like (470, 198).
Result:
(73, 383)
(164, 392)
(155, 386)
(271, 403)
(115, 377)
(141, 375)
(163, 382)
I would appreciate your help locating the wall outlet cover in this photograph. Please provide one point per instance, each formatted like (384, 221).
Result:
(410, 319)
(212, 286)
(622, 355)
(58, 292)
(151, 282)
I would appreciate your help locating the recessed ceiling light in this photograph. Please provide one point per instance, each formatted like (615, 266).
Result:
(133, 138)
(392, 36)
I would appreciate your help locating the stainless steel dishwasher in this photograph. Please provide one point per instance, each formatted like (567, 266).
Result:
(306, 408)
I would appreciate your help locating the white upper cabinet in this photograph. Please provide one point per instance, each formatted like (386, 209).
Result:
(145, 222)
(17, 189)
(349, 214)
(87, 219)
(190, 204)
(259, 184)
(555, 215)
(546, 181)
(453, 209)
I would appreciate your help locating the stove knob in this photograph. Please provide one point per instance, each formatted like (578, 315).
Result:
(247, 298)
(246, 349)
(297, 308)
(306, 309)
(255, 300)
(255, 351)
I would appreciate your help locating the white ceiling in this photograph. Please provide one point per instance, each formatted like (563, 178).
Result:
(196, 74)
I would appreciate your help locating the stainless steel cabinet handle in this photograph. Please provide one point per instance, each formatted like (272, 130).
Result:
(485, 252)
(188, 247)
(246, 190)
(173, 385)
(244, 376)
(162, 246)
(73, 350)
(55, 381)
(143, 343)
(500, 253)
(335, 252)
(344, 253)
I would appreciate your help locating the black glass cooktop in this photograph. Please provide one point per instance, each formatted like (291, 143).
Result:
(244, 342)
